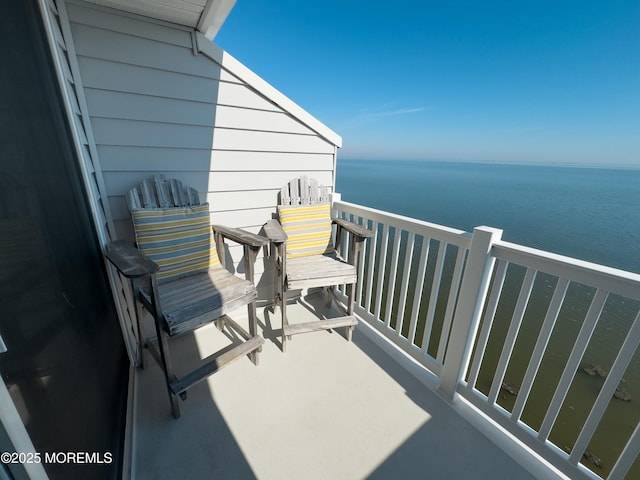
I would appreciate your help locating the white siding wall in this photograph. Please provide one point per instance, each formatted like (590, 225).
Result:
(159, 105)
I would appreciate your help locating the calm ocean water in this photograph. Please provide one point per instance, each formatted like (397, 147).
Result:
(587, 213)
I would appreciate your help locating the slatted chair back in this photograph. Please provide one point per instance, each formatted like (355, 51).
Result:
(304, 191)
(172, 227)
(305, 216)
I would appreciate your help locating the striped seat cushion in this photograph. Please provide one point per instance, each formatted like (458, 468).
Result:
(179, 240)
(308, 229)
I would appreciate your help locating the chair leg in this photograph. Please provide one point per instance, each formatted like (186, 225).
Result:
(141, 337)
(253, 330)
(283, 311)
(329, 297)
(350, 308)
(163, 345)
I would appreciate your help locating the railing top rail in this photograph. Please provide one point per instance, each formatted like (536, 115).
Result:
(610, 279)
(449, 235)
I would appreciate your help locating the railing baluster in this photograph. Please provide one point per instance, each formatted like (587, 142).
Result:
(483, 338)
(577, 352)
(406, 272)
(380, 273)
(433, 299)
(371, 252)
(540, 347)
(451, 304)
(512, 334)
(627, 457)
(620, 365)
(417, 295)
(358, 297)
(393, 270)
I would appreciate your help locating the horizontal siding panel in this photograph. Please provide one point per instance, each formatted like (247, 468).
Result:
(243, 118)
(243, 218)
(242, 96)
(130, 158)
(242, 200)
(121, 77)
(230, 181)
(129, 25)
(270, 161)
(227, 76)
(227, 139)
(133, 106)
(135, 159)
(116, 47)
(130, 132)
(119, 183)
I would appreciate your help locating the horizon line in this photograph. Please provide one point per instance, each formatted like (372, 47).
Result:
(614, 166)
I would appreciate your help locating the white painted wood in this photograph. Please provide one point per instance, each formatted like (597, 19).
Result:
(620, 365)
(487, 322)
(451, 304)
(130, 158)
(472, 296)
(185, 13)
(106, 75)
(541, 344)
(453, 236)
(512, 334)
(392, 276)
(132, 106)
(371, 258)
(433, 298)
(239, 95)
(213, 16)
(266, 90)
(573, 362)
(610, 279)
(384, 243)
(114, 46)
(110, 131)
(81, 13)
(417, 294)
(231, 139)
(406, 271)
(359, 298)
(627, 457)
(262, 120)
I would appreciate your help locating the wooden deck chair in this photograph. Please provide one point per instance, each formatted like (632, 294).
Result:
(305, 255)
(180, 279)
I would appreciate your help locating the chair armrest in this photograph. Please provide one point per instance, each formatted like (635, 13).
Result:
(357, 230)
(241, 236)
(130, 261)
(275, 232)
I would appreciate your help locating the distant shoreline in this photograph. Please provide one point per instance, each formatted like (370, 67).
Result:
(498, 162)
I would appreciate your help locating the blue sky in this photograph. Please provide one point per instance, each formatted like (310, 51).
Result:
(544, 81)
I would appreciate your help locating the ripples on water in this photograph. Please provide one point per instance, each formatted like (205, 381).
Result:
(586, 213)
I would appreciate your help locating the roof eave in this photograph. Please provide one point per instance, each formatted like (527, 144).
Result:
(214, 15)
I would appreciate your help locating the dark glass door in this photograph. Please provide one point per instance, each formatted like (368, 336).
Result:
(65, 365)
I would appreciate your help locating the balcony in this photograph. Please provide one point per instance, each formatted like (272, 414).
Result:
(468, 347)
(325, 409)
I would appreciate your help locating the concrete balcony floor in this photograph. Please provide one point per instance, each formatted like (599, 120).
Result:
(327, 409)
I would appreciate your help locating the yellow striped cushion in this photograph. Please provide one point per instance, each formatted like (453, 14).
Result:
(308, 229)
(179, 240)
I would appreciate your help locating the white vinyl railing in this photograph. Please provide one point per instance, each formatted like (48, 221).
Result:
(406, 292)
(467, 307)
